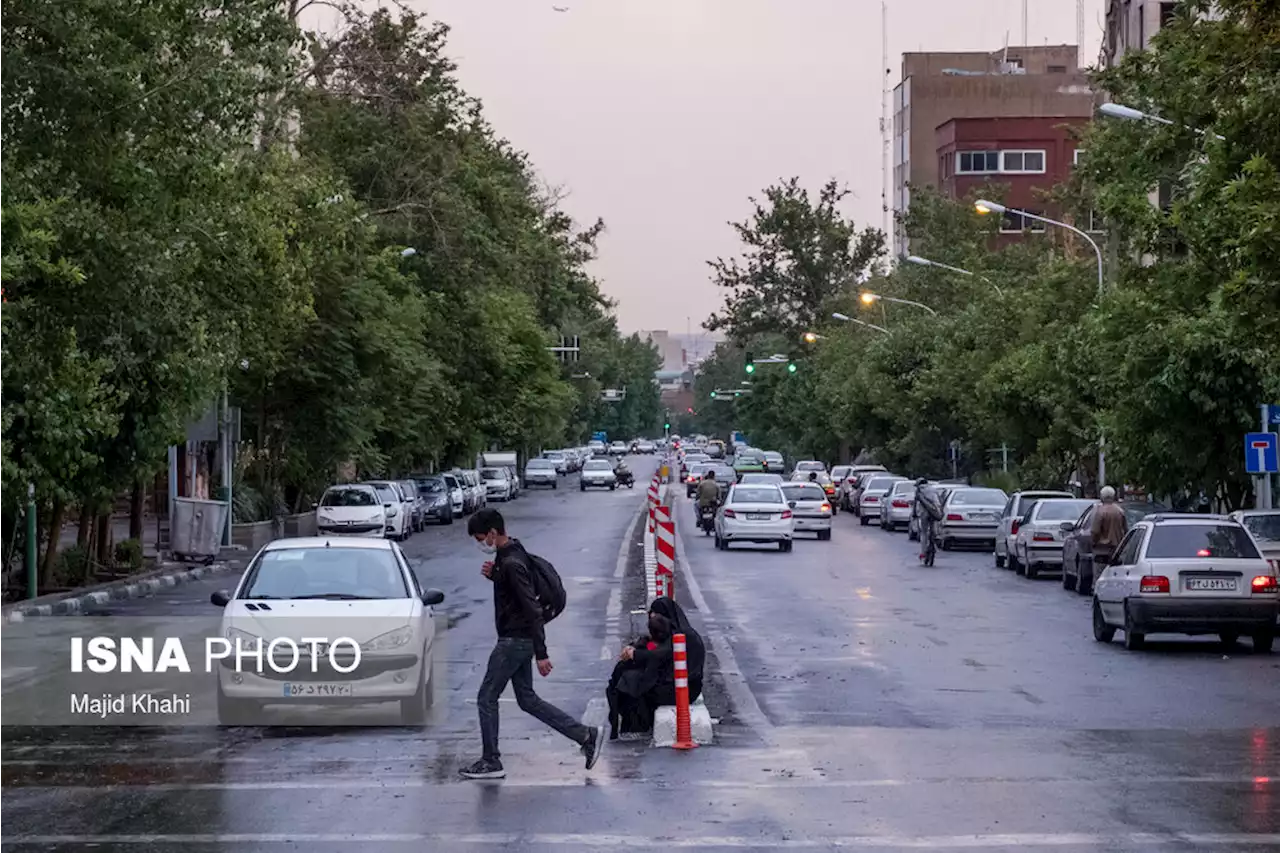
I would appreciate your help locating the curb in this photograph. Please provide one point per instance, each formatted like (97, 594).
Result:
(121, 590)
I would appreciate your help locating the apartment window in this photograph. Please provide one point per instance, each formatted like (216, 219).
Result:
(1016, 223)
(1076, 156)
(1142, 26)
(978, 163)
(1025, 162)
(1057, 69)
(1167, 11)
(1096, 225)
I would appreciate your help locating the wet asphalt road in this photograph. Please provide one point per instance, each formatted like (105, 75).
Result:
(866, 703)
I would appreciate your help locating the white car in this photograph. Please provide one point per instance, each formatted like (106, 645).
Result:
(873, 495)
(559, 458)
(351, 510)
(497, 484)
(1014, 510)
(398, 508)
(810, 506)
(618, 448)
(457, 493)
(806, 466)
(1187, 574)
(541, 472)
(970, 515)
(754, 514)
(897, 506)
(598, 474)
(645, 447)
(756, 478)
(1042, 532)
(346, 593)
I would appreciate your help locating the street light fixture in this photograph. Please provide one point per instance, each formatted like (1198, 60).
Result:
(847, 319)
(408, 253)
(1120, 111)
(869, 298)
(811, 337)
(983, 206)
(925, 262)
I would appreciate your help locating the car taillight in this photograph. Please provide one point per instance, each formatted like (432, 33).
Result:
(901, 504)
(728, 513)
(1014, 528)
(870, 499)
(786, 513)
(1042, 537)
(1265, 583)
(691, 479)
(952, 516)
(1154, 583)
(1203, 552)
(826, 508)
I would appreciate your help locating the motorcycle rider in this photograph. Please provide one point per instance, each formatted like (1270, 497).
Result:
(708, 493)
(928, 508)
(621, 471)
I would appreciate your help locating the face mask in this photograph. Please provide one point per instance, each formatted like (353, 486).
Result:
(486, 548)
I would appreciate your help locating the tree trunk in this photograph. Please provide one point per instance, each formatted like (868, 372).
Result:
(104, 539)
(55, 533)
(85, 529)
(136, 504)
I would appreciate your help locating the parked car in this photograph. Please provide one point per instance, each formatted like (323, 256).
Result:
(1187, 574)
(754, 514)
(872, 495)
(774, 463)
(560, 458)
(365, 585)
(1041, 531)
(898, 505)
(1014, 509)
(398, 508)
(810, 508)
(913, 523)
(351, 510)
(541, 472)
(513, 475)
(437, 497)
(479, 495)
(457, 494)
(1077, 544)
(598, 474)
(418, 509)
(970, 515)
(497, 484)
(1264, 526)
(848, 489)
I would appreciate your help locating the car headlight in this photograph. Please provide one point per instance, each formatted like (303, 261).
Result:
(242, 638)
(390, 640)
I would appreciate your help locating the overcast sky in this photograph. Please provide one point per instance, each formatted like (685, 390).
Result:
(663, 116)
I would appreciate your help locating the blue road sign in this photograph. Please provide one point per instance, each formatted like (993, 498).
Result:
(1260, 455)
(1273, 414)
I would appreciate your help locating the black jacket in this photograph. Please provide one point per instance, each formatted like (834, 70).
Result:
(515, 604)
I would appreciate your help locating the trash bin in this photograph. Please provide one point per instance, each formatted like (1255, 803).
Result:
(195, 533)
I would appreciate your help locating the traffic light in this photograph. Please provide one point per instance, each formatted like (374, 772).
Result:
(713, 395)
(791, 367)
(750, 363)
(667, 425)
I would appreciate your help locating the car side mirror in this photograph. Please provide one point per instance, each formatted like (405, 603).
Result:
(315, 505)
(221, 598)
(432, 597)
(791, 504)
(1067, 526)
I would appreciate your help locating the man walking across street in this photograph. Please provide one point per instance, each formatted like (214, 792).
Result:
(1109, 527)
(519, 617)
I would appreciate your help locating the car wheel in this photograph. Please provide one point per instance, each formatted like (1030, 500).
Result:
(1262, 643)
(582, 487)
(1068, 580)
(1014, 563)
(613, 487)
(1133, 640)
(555, 486)
(863, 520)
(824, 535)
(236, 712)
(449, 518)
(999, 560)
(1228, 638)
(946, 544)
(1102, 632)
(1032, 570)
(415, 709)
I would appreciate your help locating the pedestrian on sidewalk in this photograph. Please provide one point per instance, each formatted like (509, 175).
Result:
(521, 639)
(1109, 526)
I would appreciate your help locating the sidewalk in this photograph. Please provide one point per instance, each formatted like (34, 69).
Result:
(119, 533)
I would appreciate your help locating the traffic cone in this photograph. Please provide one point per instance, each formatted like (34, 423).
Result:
(684, 729)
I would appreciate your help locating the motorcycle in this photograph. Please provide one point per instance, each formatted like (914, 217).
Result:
(626, 478)
(707, 519)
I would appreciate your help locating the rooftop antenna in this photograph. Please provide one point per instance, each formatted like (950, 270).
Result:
(1024, 23)
(1079, 25)
(885, 120)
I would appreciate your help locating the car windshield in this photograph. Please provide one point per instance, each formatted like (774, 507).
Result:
(903, 487)
(698, 469)
(724, 472)
(757, 495)
(880, 484)
(840, 471)
(984, 497)
(599, 465)
(810, 466)
(1265, 528)
(386, 492)
(553, 454)
(773, 456)
(1061, 510)
(409, 488)
(451, 481)
(541, 463)
(333, 573)
(803, 492)
(348, 497)
(432, 485)
(493, 473)
(1225, 541)
(1026, 499)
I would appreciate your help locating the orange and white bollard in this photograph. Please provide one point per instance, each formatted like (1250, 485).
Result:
(684, 729)
(665, 542)
(653, 502)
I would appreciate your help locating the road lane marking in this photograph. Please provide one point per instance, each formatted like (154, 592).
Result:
(601, 841)
(748, 709)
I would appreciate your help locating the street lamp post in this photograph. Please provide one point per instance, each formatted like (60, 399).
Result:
(869, 298)
(847, 319)
(983, 206)
(925, 262)
(1120, 111)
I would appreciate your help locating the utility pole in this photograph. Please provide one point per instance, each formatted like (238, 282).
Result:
(1004, 456)
(886, 122)
(33, 570)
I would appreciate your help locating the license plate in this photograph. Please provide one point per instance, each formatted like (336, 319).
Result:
(316, 689)
(758, 516)
(1216, 584)
(981, 516)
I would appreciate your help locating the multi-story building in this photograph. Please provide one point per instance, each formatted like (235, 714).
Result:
(1023, 83)
(670, 349)
(1029, 155)
(1130, 25)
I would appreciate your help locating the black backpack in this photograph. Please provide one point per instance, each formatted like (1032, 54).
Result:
(547, 586)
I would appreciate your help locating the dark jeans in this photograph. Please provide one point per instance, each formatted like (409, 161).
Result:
(512, 660)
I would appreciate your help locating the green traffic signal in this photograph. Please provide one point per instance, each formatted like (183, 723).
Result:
(791, 368)
(713, 395)
(751, 368)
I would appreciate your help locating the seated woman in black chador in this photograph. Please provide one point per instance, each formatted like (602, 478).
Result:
(644, 678)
